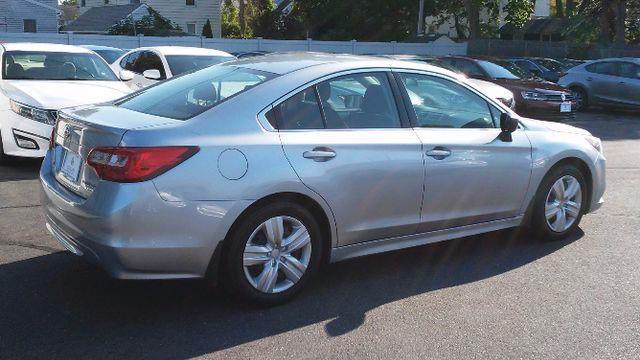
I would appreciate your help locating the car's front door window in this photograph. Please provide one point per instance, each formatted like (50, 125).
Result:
(440, 103)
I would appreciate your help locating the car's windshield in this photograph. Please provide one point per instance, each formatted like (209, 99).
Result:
(552, 65)
(110, 55)
(501, 69)
(189, 95)
(183, 63)
(27, 65)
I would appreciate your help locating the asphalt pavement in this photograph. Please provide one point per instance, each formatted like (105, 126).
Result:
(499, 295)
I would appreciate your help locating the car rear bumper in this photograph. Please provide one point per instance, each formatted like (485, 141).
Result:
(33, 133)
(131, 232)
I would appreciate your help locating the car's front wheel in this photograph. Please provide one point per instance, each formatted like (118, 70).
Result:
(581, 98)
(559, 203)
(272, 253)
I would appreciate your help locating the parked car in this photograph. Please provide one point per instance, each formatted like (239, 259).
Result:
(37, 80)
(611, 82)
(545, 68)
(534, 98)
(109, 54)
(496, 91)
(148, 65)
(245, 169)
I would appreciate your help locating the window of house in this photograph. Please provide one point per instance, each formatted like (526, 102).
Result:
(190, 2)
(29, 25)
(441, 103)
(83, 3)
(191, 28)
(106, 2)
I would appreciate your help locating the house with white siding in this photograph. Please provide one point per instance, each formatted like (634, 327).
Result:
(29, 16)
(190, 15)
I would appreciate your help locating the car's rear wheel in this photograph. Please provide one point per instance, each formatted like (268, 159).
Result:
(272, 253)
(581, 98)
(559, 203)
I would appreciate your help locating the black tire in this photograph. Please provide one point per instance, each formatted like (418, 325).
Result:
(579, 93)
(539, 224)
(233, 276)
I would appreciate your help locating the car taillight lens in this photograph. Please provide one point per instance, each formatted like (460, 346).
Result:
(135, 164)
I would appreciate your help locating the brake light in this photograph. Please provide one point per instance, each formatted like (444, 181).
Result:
(135, 164)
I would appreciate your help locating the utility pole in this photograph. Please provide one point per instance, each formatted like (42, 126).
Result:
(420, 31)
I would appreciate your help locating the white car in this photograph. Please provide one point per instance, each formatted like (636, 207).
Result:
(148, 65)
(37, 80)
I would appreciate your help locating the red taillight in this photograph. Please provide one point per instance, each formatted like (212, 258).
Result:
(134, 164)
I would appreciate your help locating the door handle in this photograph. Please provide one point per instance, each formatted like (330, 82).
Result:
(319, 154)
(439, 152)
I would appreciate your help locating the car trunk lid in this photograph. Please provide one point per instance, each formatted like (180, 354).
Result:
(79, 130)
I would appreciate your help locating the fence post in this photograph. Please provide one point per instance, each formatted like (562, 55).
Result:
(260, 43)
(393, 47)
(309, 40)
(69, 36)
(201, 41)
(353, 46)
(140, 40)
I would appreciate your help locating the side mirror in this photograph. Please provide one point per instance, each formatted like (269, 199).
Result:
(152, 74)
(126, 75)
(507, 123)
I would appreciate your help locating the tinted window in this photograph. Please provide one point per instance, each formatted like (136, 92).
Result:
(128, 63)
(496, 71)
(605, 68)
(629, 70)
(301, 111)
(469, 68)
(189, 95)
(183, 63)
(526, 65)
(54, 66)
(149, 60)
(109, 56)
(359, 101)
(442, 103)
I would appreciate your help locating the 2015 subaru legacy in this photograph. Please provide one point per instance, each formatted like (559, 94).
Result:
(254, 172)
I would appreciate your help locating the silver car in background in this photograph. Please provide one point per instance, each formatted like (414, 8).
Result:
(611, 82)
(256, 171)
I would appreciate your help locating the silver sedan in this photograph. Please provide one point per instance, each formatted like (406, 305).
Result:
(255, 172)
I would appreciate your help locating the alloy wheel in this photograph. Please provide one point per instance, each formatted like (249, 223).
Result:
(277, 254)
(563, 203)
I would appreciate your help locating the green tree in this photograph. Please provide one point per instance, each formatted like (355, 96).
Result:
(518, 12)
(229, 20)
(152, 24)
(206, 30)
(264, 20)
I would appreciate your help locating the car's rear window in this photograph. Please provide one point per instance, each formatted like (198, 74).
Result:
(186, 96)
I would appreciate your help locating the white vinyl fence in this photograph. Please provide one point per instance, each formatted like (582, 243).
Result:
(236, 45)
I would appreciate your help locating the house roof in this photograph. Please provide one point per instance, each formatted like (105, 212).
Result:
(100, 19)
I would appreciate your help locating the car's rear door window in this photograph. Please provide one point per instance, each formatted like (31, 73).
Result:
(441, 103)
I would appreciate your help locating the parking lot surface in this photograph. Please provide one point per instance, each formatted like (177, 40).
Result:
(500, 295)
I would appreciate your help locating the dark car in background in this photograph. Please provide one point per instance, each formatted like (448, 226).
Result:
(546, 68)
(611, 82)
(537, 99)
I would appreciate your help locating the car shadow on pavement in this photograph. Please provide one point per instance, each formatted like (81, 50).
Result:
(19, 169)
(56, 305)
(610, 124)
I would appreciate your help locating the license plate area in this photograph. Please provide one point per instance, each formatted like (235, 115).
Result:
(565, 107)
(71, 165)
